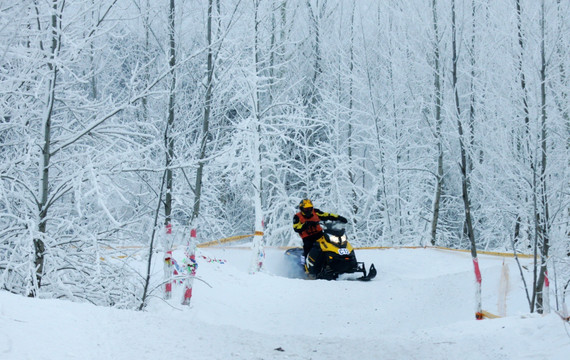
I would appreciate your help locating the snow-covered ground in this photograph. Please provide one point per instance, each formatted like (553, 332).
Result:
(420, 306)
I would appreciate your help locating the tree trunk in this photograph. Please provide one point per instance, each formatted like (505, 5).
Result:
(562, 102)
(438, 121)
(472, 85)
(522, 76)
(316, 15)
(544, 221)
(151, 246)
(146, 22)
(523, 139)
(206, 118)
(258, 251)
(43, 205)
(168, 138)
(351, 174)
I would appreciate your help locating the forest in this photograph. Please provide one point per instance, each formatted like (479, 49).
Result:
(424, 122)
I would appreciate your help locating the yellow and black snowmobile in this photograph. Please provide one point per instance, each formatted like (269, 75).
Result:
(331, 256)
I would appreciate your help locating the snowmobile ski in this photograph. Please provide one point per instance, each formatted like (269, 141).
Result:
(371, 273)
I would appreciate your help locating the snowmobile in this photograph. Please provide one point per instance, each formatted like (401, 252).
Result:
(331, 256)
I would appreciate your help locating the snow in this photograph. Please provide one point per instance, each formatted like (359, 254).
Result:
(420, 306)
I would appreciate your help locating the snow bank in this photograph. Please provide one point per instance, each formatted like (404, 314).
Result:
(420, 306)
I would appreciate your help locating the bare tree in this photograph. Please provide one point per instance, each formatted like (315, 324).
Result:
(464, 166)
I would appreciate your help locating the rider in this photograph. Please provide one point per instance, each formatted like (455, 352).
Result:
(306, 223)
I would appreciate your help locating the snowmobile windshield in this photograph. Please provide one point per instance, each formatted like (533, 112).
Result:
(333, 227)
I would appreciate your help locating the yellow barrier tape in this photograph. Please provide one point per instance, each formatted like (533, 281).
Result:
(114, 257)
(495, 253)
(388, 247)
(123, 247)
(488, 315)
(117, 249)
(260, 233)
(228, 239)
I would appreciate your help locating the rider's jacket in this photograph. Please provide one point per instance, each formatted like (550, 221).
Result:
(306, 231)
(311, 233)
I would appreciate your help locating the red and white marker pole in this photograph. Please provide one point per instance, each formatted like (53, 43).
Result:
(546, 294)
(479, 309)
(191, 266)
(168, 266)
(168, 275)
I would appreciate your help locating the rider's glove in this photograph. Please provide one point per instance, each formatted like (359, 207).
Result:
(342, 219)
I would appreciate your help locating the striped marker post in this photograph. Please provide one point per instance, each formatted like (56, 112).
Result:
(546, 296)
(191, 266)
(479, 311)
(168, 275)
(168, 264)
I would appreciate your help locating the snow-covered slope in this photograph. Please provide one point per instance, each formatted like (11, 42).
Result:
(420, 306)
